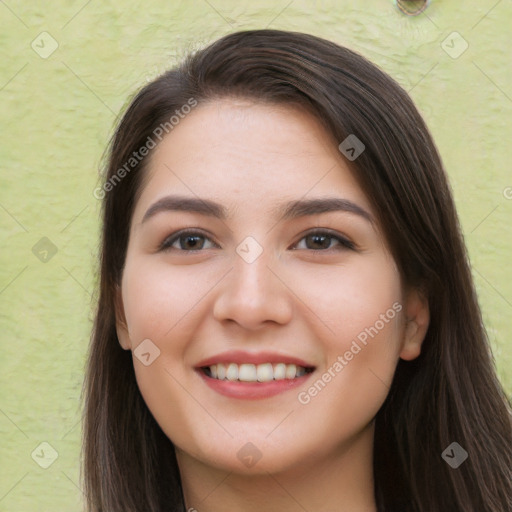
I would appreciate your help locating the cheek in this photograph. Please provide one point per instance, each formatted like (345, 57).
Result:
(364, 314)
(349, 391)
(348, 299)
(162, 304)
(159, 299)
(162, 388)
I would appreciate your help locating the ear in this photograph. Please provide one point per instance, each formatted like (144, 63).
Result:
(417, 316)
(121, 327)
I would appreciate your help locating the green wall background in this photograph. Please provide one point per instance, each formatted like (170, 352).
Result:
(58, 111)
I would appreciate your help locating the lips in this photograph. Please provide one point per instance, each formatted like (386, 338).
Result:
(247, 375)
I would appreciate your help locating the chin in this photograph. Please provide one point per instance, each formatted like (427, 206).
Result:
(255, 457)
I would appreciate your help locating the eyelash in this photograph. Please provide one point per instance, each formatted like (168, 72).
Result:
(344, 243)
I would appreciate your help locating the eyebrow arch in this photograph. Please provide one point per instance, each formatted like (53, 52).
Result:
(303, 208)
(291, 210)
(186, 204)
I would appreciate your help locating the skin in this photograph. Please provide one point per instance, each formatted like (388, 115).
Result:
(300, 298)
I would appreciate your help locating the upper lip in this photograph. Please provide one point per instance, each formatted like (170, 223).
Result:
(240, 357)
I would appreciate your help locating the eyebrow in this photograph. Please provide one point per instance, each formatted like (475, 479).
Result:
(287, 211)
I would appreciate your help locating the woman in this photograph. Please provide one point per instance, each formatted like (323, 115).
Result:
(286, 319)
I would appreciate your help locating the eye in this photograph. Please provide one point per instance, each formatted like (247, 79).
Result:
(191, 240)
(187, 241)
(322, 240)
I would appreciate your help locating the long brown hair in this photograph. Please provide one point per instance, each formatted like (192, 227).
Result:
(450, 393)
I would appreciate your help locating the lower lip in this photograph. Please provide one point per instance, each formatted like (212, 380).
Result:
(253, 390)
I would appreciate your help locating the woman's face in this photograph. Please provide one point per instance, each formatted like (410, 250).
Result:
(305, 328)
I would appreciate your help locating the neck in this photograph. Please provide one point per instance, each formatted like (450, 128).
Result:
(342, 481)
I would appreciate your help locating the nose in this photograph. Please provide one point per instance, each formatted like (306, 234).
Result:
(253, 294)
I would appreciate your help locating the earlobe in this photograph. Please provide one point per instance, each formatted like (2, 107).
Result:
(418, 318)
(121, 326)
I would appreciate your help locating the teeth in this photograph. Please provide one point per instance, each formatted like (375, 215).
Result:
(279, 371)
(291, 371)
(256, 373)
(221, 371)
(232, 372)
(247, 373)
(265, 372)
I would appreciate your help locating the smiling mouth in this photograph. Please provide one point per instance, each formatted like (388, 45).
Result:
(247, 372)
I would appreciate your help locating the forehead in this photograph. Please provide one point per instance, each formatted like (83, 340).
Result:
(249, 155)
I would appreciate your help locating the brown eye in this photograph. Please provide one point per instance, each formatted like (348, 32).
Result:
(186, 240)
(322, 240)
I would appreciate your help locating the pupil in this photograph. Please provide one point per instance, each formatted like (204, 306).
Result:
(194, 240)
(317, 237)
